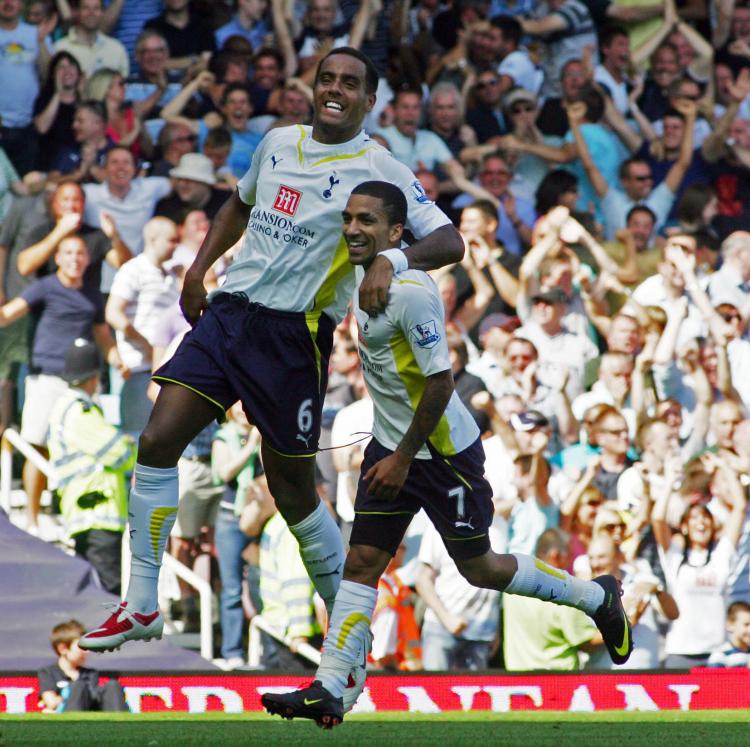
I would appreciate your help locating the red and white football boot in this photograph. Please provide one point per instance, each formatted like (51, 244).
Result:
(122, 626)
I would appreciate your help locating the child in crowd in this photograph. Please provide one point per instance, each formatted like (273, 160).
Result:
(736, 651)
(68, 685)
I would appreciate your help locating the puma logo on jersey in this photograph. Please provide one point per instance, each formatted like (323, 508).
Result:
(305, 439)
(274, 161)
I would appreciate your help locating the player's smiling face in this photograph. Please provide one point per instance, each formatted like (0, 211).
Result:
(366, 229)
(340, 98)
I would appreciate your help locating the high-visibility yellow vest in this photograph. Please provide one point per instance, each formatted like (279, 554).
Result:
(285, 587)
(91, 458)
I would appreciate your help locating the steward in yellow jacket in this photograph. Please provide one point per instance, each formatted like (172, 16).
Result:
(91, 459)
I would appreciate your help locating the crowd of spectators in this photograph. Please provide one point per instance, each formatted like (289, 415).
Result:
(595, 156)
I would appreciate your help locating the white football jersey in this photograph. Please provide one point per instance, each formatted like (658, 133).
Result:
(399, 349)
(293, 256)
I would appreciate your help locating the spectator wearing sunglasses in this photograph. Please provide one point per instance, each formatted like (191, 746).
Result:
(521, 109)
(483, 108)
(175, 140)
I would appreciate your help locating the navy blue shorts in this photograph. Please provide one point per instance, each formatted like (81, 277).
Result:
(452, 490)
(274, 362)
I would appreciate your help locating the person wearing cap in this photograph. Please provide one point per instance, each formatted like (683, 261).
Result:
(552, 263)
(91, 459)
(559, 350)
(194, 189)
(495, 332)
(521, 110)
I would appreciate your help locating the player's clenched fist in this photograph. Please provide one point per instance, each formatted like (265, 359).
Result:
(373, 293)
(193, 298)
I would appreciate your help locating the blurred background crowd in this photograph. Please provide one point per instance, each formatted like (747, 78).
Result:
(594, 155)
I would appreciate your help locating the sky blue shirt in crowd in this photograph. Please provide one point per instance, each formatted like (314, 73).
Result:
(602, 145)
(616, 205)
(256, 35)
(426, 147)
(19, 49)
(243, 147)
(506, 234)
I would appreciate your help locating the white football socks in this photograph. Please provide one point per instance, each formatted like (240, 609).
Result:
(347, 635)
(322, 552)
(534, 578)
(152, 511)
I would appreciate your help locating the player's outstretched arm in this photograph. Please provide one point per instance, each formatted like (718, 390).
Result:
(443, 246)
(225, 232)
(386, 477)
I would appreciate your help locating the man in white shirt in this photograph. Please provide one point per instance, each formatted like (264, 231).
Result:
(666, 288)
(130, 200)
(142, 291)
(515, 69)
(611, 73)
(612, 387)
(461, 621)
(559, 350)
(731, 283)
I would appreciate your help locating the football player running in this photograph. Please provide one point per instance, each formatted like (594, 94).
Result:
(265, 336)
(425, 453)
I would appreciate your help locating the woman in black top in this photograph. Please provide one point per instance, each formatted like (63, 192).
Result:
(55, 106)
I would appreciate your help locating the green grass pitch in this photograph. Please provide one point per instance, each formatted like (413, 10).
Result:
(478, 729)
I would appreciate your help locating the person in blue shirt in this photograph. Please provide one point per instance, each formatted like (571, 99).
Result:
(235, 111)
(247, 22)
